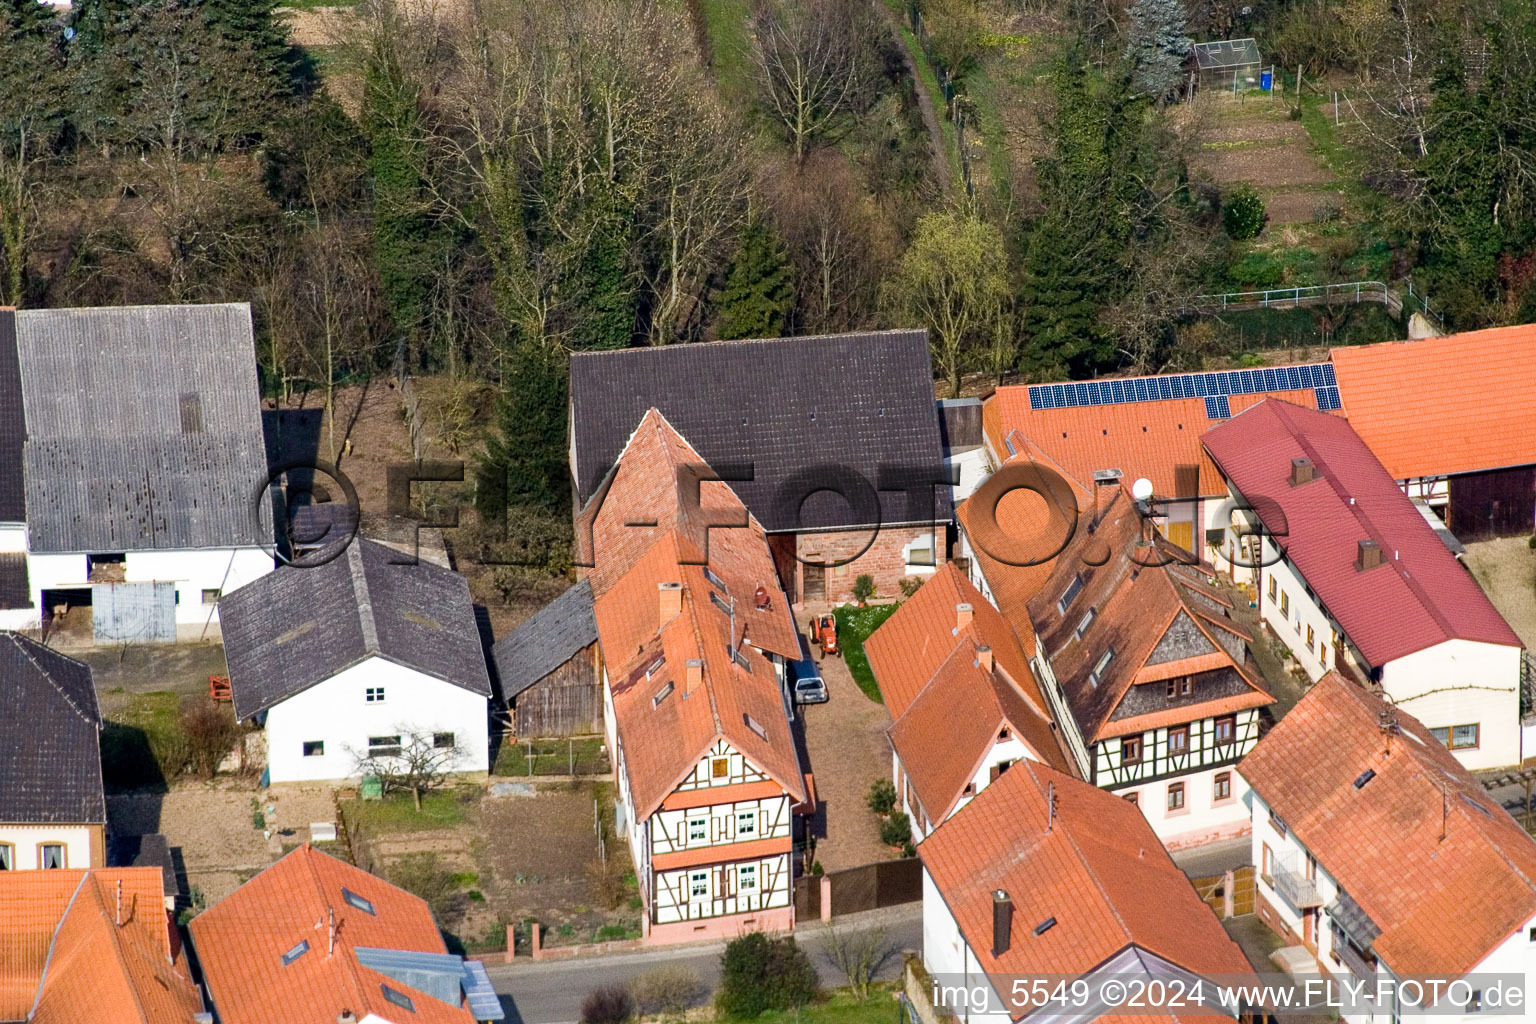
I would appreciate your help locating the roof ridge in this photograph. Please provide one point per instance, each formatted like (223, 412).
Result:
(21, 642)
(364, 602)
(115, 942)
(885, 332)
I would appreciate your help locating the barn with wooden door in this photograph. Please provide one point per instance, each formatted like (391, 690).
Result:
(551, 671)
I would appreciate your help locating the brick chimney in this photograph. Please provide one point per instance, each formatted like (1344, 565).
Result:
(963, 612)
(984, 657)
(671, 602)
(1369, 556)
(693, 675)
(1002, 922)
(1302, 472)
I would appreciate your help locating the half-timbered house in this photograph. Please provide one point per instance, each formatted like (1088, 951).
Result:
(964, 702)
(695, 633)
(1143, 657)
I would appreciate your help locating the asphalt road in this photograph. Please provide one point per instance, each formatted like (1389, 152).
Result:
(550, 992)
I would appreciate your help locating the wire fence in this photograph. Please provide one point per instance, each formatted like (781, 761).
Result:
(1396, 301)
(946, 81)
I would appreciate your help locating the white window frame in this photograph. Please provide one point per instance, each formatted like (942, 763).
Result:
(746, 878)
(696, 879)
(703, 837)
(746, 823)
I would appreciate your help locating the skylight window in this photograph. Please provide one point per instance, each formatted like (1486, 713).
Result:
(1045, 926)
(360, 902)
(1073, 589)
(741, 659)
(399, 998)
(655, 666)
(756, 727)
(1088, 617)
(661, 695)
(1470, 802)
(719, 602)
(1098, 670)
(1365, 776)
(709, 574)
(296, 952)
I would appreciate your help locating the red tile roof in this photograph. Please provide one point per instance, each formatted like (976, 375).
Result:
(738, 699)
(241, 941)
(1447, 405)
(1436, 864)
(69, 951)
(1095, 865)
(1421, 596)
(1139, 609)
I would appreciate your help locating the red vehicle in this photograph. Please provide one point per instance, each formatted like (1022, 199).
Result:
(824, 634)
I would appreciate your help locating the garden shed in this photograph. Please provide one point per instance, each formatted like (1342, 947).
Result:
(1228, 64)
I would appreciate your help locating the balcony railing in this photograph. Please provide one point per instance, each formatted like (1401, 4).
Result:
(1299, 890)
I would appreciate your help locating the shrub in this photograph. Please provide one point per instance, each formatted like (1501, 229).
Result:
(1257, 270)
(1325, 213)
(896, 829)
(759, 973)
(670, 989)
(863, 588)
(211, 733)
(1532, 542)
(909, 585)
(908, 850)
(882, 796)
(607, 1004)
(1243, 214)
(817, 869)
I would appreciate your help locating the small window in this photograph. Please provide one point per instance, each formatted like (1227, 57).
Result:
(719, 602)
(8, 863)
(661, 695)
(211, 595)
(296, 952)
(756, 727)
(1186, 686)
(1311, 639)
(383, 746)
(698, 830)
(698, 885)
(1134, 799)
(1225, 729)
(739, 656)
(1274, 588)
(1223, 789)
(746, 823)
(362, 903)
(374, 695)
(1086, 621)
(746, 878)
(1176, 796)
(314, 748)
(1103, 664)
(52, 855)
(1278, 824)
(399, 998)
(970, 790)
(1130, 750)
(720, 768)
(1463, 737)
(443, 741)
(1070, 594)
(1003, 734)
(1285, 605)
(710, 575)
(1178, 739)
(655, 666)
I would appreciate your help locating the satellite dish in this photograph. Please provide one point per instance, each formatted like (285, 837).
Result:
(1141, 490)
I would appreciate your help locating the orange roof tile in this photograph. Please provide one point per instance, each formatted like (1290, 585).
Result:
(69, 951)
(1159, 440)
(1439, 406)
(738, 699)
(1438, 866)
(1141, 613)
(241, 941)
(1094, 865)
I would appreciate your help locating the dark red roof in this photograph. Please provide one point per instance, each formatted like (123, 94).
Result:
(1421, 596)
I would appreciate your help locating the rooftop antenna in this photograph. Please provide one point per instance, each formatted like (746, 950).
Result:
(118, 916)
(1050, 806)
(330, 931)
(1386, 721)
(1445, 813)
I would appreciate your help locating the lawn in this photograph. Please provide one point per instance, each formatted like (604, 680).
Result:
(854, 625)
(583, 756)
(841, 1008)
(397, 812)
(138, 741)
(725, 22)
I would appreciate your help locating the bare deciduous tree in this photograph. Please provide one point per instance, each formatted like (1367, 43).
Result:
(815, 65)
(423, 762)
(858, 954)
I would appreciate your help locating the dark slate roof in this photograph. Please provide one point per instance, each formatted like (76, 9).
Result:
(15, 587)
(803, 412)
(13, 425)
(547, 640)
(147, 851)
(296, 627)
(50, 737)
(143, 428)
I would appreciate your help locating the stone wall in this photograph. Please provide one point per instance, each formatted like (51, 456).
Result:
(883, 556)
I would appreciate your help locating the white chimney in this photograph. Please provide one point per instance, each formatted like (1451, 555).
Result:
(671, 602)
(963, 612)
(984, 657)
(693, 675)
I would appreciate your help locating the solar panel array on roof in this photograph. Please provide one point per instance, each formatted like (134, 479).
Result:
(1119, 391)
(1217, 407)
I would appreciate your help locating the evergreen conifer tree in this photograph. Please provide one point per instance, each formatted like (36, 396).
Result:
(759, 290)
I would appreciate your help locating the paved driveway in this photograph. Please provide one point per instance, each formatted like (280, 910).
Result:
(848, 748)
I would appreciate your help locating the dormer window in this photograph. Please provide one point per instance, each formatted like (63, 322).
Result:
(1100, 668)
(1087, 620)
(1073, 589)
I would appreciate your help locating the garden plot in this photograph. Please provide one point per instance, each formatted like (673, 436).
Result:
(1257, 143)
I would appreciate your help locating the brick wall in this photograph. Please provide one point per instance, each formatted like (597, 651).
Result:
(884, 558)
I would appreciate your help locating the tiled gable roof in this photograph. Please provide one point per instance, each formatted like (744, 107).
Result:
(773, 404)
(1438, 866)
(1419, 597)
(1092, 862)
(50, 737)
(143, 428)
(74, 946)
(296, 627)
(1124, 604)
(1437, 406)
(665, 729)
(242, 941)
